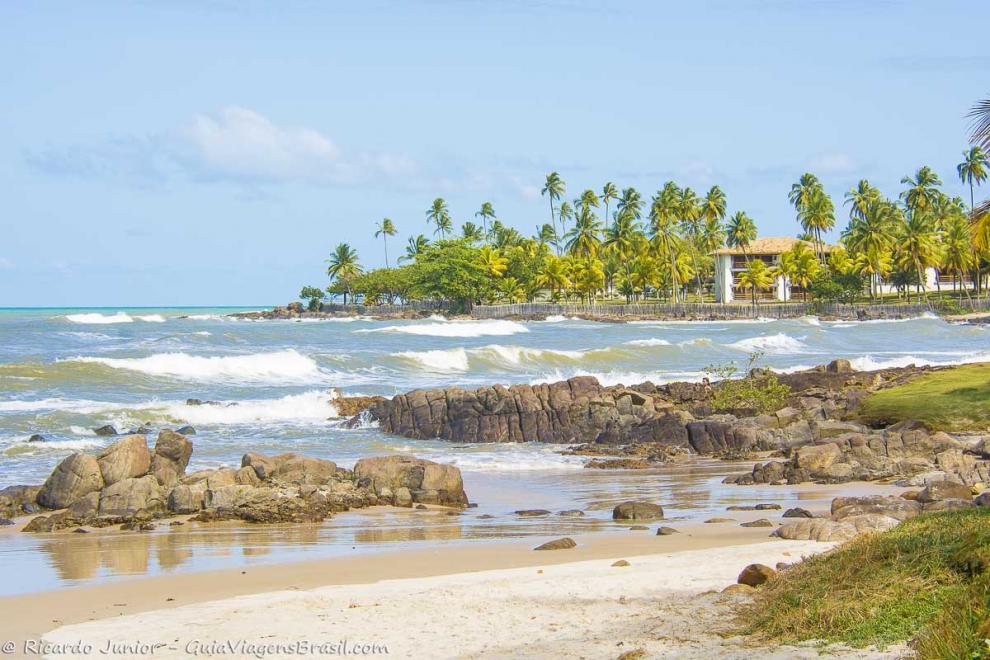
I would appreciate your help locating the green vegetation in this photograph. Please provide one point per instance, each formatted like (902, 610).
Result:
(662, 248)
(953, 399)
(926, 580)
(756, 393)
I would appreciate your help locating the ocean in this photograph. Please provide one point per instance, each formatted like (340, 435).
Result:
(65, 372)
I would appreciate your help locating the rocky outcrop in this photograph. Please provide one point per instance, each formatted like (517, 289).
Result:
(404, 480)
(637, 511)
(902, 450)
(265, 489)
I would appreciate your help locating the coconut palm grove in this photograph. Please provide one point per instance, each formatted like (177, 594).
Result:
(615, 244)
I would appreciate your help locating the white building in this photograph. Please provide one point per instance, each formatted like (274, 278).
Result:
(729, 262)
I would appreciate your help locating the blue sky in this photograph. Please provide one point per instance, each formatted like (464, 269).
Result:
(213, 151)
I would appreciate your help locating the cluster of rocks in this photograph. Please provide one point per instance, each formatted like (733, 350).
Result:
(296, 310)
(129, 483)
(646, 425)
(846, 451)
(851, 516)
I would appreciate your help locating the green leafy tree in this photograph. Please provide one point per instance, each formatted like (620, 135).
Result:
(486, 213)
(553, 188)
(973, 171)
(343, 266)
(314, 295)
(756, 276)
(741, 232)
(439, 215)
(414, 247)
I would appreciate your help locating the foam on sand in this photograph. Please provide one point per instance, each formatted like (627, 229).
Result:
(455, 328)
(276, 366)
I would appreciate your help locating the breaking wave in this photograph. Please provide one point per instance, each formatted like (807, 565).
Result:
(277, 366)
(99, 319)
(778, 344)
(455, 329)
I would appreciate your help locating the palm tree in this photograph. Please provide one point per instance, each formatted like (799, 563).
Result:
(609, 192)
(756, 276)
(806, 267)
(922, 192)
(632, 202)
(870, 236)
(439, 215)
(583, 240)
(492, 262)
(486, 213)
(958, 256)
(385, 228)
(665, 242)
(815, 212)
(552, 275)
(415, 246)
(553, 188)
(973, 170)
(690, 210)
(565, 213)
(740, 232)
(471, 231)
(343, 266)
(545, 234)
(587, 201)
(918, 245)
(859, 199)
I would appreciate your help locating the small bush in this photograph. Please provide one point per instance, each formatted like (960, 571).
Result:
(757, 392)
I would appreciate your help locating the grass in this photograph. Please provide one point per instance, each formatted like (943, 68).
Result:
(927, 580)
(956, 399)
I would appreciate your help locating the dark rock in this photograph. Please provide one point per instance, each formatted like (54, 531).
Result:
(186, 430)
(666, 531)
(80, 530)
(768, 507)
(37, 437)
(720, 520)
(620, 563)
(798, 512)
(637, 511)
(557, 544)
(638, 528)
(762, 522)
(105, 430)
(571, 513)
(756, 574)
(6, 522)
(421, 507)
(532, 513)
(839, 367)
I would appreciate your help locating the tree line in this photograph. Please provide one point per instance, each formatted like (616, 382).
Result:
(613, 243)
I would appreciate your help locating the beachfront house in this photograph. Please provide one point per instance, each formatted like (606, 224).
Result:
(729, 262)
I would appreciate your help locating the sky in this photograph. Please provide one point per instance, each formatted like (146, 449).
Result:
(213, 152)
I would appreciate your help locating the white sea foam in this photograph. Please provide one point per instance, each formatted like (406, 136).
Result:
(658, 322)
(870, 363)
(652, 341)
(608, 378)
(455, 329)
(508, 458)
(778, 344)
(151, 318)
(308, 407)
(50, 445)
(99, 319)
(81, 430)
(277, 366)
(449, 360)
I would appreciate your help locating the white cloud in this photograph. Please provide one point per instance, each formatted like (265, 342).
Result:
(240, 143)
(833, 163)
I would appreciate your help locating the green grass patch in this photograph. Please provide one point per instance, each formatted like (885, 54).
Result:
(927, 580)
(956, 399)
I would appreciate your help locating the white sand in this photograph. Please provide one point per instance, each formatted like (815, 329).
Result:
(581, 609)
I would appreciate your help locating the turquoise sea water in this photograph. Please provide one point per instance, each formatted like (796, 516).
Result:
(64, 372)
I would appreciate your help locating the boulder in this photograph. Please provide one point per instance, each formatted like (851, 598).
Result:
(290, 468)
(887, 505)
(170, 458)
(186, 430)
(756, 574)
(75, 477)
(762, 522)
(227, 497)
(36, 437)
(185, 499)
(105, 430)
(839, 366)
(557, 544)
(427, 482)
(18, 500)
(637, 511)
(128, 496)
(983, 499)
(666, 531)
(127, 458)
(823, 529)
(532, 513)
(798, 512)
(949, 505)
(85, 507)
(944, 490)
(815, 458)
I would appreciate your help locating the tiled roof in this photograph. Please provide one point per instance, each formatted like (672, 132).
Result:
(769, 245)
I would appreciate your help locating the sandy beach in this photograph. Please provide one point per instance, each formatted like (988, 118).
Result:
(565, 603)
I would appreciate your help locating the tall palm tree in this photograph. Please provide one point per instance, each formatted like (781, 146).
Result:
(859, 198)
(385, 228)
(806, 267)
(584, 240)
(415, 246)
(918, 245)
(692, 221)
(665, 242)
(552, 275)
(587, 201)
(870, 236)
(632, 202)
(922, 191)
(815, 212)
(565, 213)
(609, 192)
(471, 231)
(486, 213)
(439, 215)
(740, 232)
(343, 266)
(553, 188)
(973, 170)
(958, 256)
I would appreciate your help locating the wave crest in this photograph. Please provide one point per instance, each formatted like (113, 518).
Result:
(277, 366)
